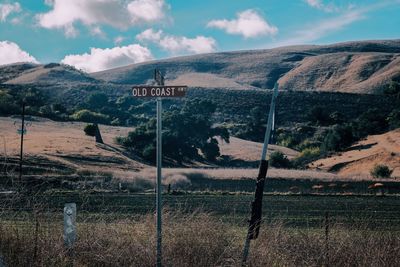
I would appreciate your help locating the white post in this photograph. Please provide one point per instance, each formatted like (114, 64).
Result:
(69, 224)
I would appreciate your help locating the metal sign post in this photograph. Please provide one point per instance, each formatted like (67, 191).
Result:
(22, 144)
(256, 205)
(160, 81)
(159, 91)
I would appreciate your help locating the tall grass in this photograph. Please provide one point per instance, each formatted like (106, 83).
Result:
(197, 239)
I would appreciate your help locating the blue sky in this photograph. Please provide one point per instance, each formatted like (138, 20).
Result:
(94, 35)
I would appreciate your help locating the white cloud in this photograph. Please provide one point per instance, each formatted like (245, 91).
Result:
(7, 9)
(149, 35)
(315, 3)
(11, 53)
(118, 40)
(178, 44)
(319, 4)
(93, 13)
(101, 59)
(146, 10)
(248, 23)
(318, 30)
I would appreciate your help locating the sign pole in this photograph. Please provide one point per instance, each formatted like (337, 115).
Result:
(22, 145)
(159, 92)
(158, 77)
(256, 205)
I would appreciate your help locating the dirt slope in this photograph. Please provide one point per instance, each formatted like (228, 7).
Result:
(364, 155)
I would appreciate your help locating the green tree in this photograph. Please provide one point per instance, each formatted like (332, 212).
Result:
(279, 160)
(97, 100)
(338, 138)
(370, 122)
(90, 129)
(393, 89)
(319, 115)
(394, 119)
(185, 132)
(7, 104)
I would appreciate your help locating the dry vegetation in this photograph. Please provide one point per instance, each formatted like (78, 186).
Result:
(198, 239)
(359, 159)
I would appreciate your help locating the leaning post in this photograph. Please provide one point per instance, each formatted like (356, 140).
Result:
(256, 205)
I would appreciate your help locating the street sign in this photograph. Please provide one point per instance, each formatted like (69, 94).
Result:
(159, 91)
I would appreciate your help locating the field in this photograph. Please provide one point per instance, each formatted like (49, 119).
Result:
(293, 210)
(310, 217)
(202, 229)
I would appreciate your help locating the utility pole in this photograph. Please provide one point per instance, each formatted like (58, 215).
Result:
(22, 144)
(256, 205)
(160, 82)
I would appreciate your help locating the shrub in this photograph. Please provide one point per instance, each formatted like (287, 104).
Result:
(319, 115)
(394, 119)
(279, 160)
(90, 129)
(306, 156)
(97, 100)
(90, 116)
(381, 171)
(338, 138)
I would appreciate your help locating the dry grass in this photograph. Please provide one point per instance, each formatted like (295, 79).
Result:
(234, 173)
(358, 161)
(197, 239)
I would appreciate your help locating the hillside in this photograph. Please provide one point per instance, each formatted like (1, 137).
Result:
(62, 147)
(359, 159)
(50, 74)
(358, 67)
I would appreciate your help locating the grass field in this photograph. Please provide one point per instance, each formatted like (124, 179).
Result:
(201, 229)
(376, 212)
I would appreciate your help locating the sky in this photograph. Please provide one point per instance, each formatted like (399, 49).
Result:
(94, 35)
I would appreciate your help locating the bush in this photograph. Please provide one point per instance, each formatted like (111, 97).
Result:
(279, 160)
(90, 116)
(338, 138)
(381, 171)
(394, 119)
(319, 115)
(90, 129)
(306, 156)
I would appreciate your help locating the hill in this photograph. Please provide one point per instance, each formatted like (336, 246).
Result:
(358, 67)
(359, 159)
(54, 148)
(49, 74)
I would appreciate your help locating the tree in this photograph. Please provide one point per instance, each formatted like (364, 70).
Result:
(97, 100)
(319, 115)
(90, 129)
(338, 138)
(279, 160)
(393, 89)
(381, 171)
(394, 119)
(370, 122)
(185, 132)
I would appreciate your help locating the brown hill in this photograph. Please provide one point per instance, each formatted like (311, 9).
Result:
(52, 148)
(359, 159)
(360, 67)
